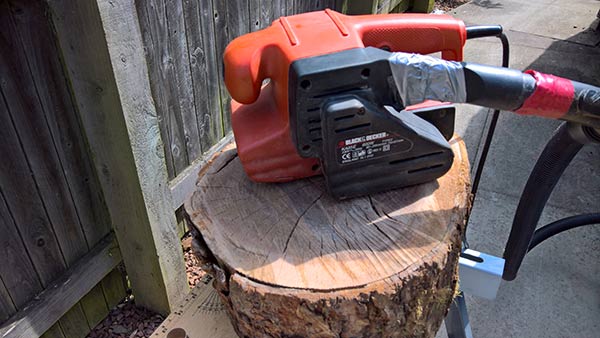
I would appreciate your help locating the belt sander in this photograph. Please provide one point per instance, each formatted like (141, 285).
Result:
(357, 99)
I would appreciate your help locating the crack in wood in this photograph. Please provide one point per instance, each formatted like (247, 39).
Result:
(374, 222)
(373, 206)
(226, 163)
(287, 242)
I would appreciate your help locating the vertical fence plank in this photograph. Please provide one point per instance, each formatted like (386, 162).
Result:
(237, 16)
(221, 40)
(7, 308)
(94, 306)
(360, 7)
(74, 324)
(267, 10)
(254, 17)
(421, 6)
(163, 26)
(279, 9)
(204, 68)
(31, 124)
(155, 32)
(51, 86)
(16, 270)
(25, 203)
(181, 78)
(113, 286)
(54, 332)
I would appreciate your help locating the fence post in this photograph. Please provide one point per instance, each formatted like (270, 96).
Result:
(103, 54)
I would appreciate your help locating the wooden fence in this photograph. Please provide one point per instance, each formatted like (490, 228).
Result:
(108, 109)
(52, 210)
(184, 43)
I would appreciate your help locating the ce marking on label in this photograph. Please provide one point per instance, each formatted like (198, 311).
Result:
(346, 156)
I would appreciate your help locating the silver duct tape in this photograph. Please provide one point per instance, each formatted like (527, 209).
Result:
(420, 77)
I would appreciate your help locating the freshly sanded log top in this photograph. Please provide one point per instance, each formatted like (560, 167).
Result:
(294, 235)
(290, 260)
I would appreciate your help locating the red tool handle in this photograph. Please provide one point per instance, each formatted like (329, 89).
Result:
(268, 53)
(415, 33)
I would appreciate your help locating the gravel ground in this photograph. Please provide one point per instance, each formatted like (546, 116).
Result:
(192, 265)
(447, 5)
(129, 321)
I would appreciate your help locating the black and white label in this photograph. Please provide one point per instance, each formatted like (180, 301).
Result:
(371, 146)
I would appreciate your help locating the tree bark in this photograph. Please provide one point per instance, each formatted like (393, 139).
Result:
(290, 261)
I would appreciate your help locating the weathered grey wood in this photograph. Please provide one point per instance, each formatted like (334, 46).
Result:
(51, 86)
(19, 278)
(164, 31)
(7, 308)
(25, 204)
(73, 323)
(185, 183)
(290, 7)
(27, 113)
(163, 66)
(303, 6)
(360, 7)
(237, 16)
(204, 66)
(279, 9)
(94, 306)
(255, 8)
(56, 300)
(54, 332)
(113, 286)
(109, 77)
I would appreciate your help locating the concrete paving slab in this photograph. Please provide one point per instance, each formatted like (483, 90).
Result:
(471, 124)
(519, 140)
(557, 291)
(564, 20)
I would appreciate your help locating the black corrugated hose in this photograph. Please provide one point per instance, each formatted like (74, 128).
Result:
(543, 178)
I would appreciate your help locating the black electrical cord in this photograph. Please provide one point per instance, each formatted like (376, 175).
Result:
(474, 32)
(561, 225)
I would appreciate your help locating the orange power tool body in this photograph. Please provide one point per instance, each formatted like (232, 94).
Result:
(260, 110)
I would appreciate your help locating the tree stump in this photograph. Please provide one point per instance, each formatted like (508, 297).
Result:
(290, 261)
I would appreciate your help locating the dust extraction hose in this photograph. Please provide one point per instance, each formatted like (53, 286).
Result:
(561, 225)
(547, 171)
